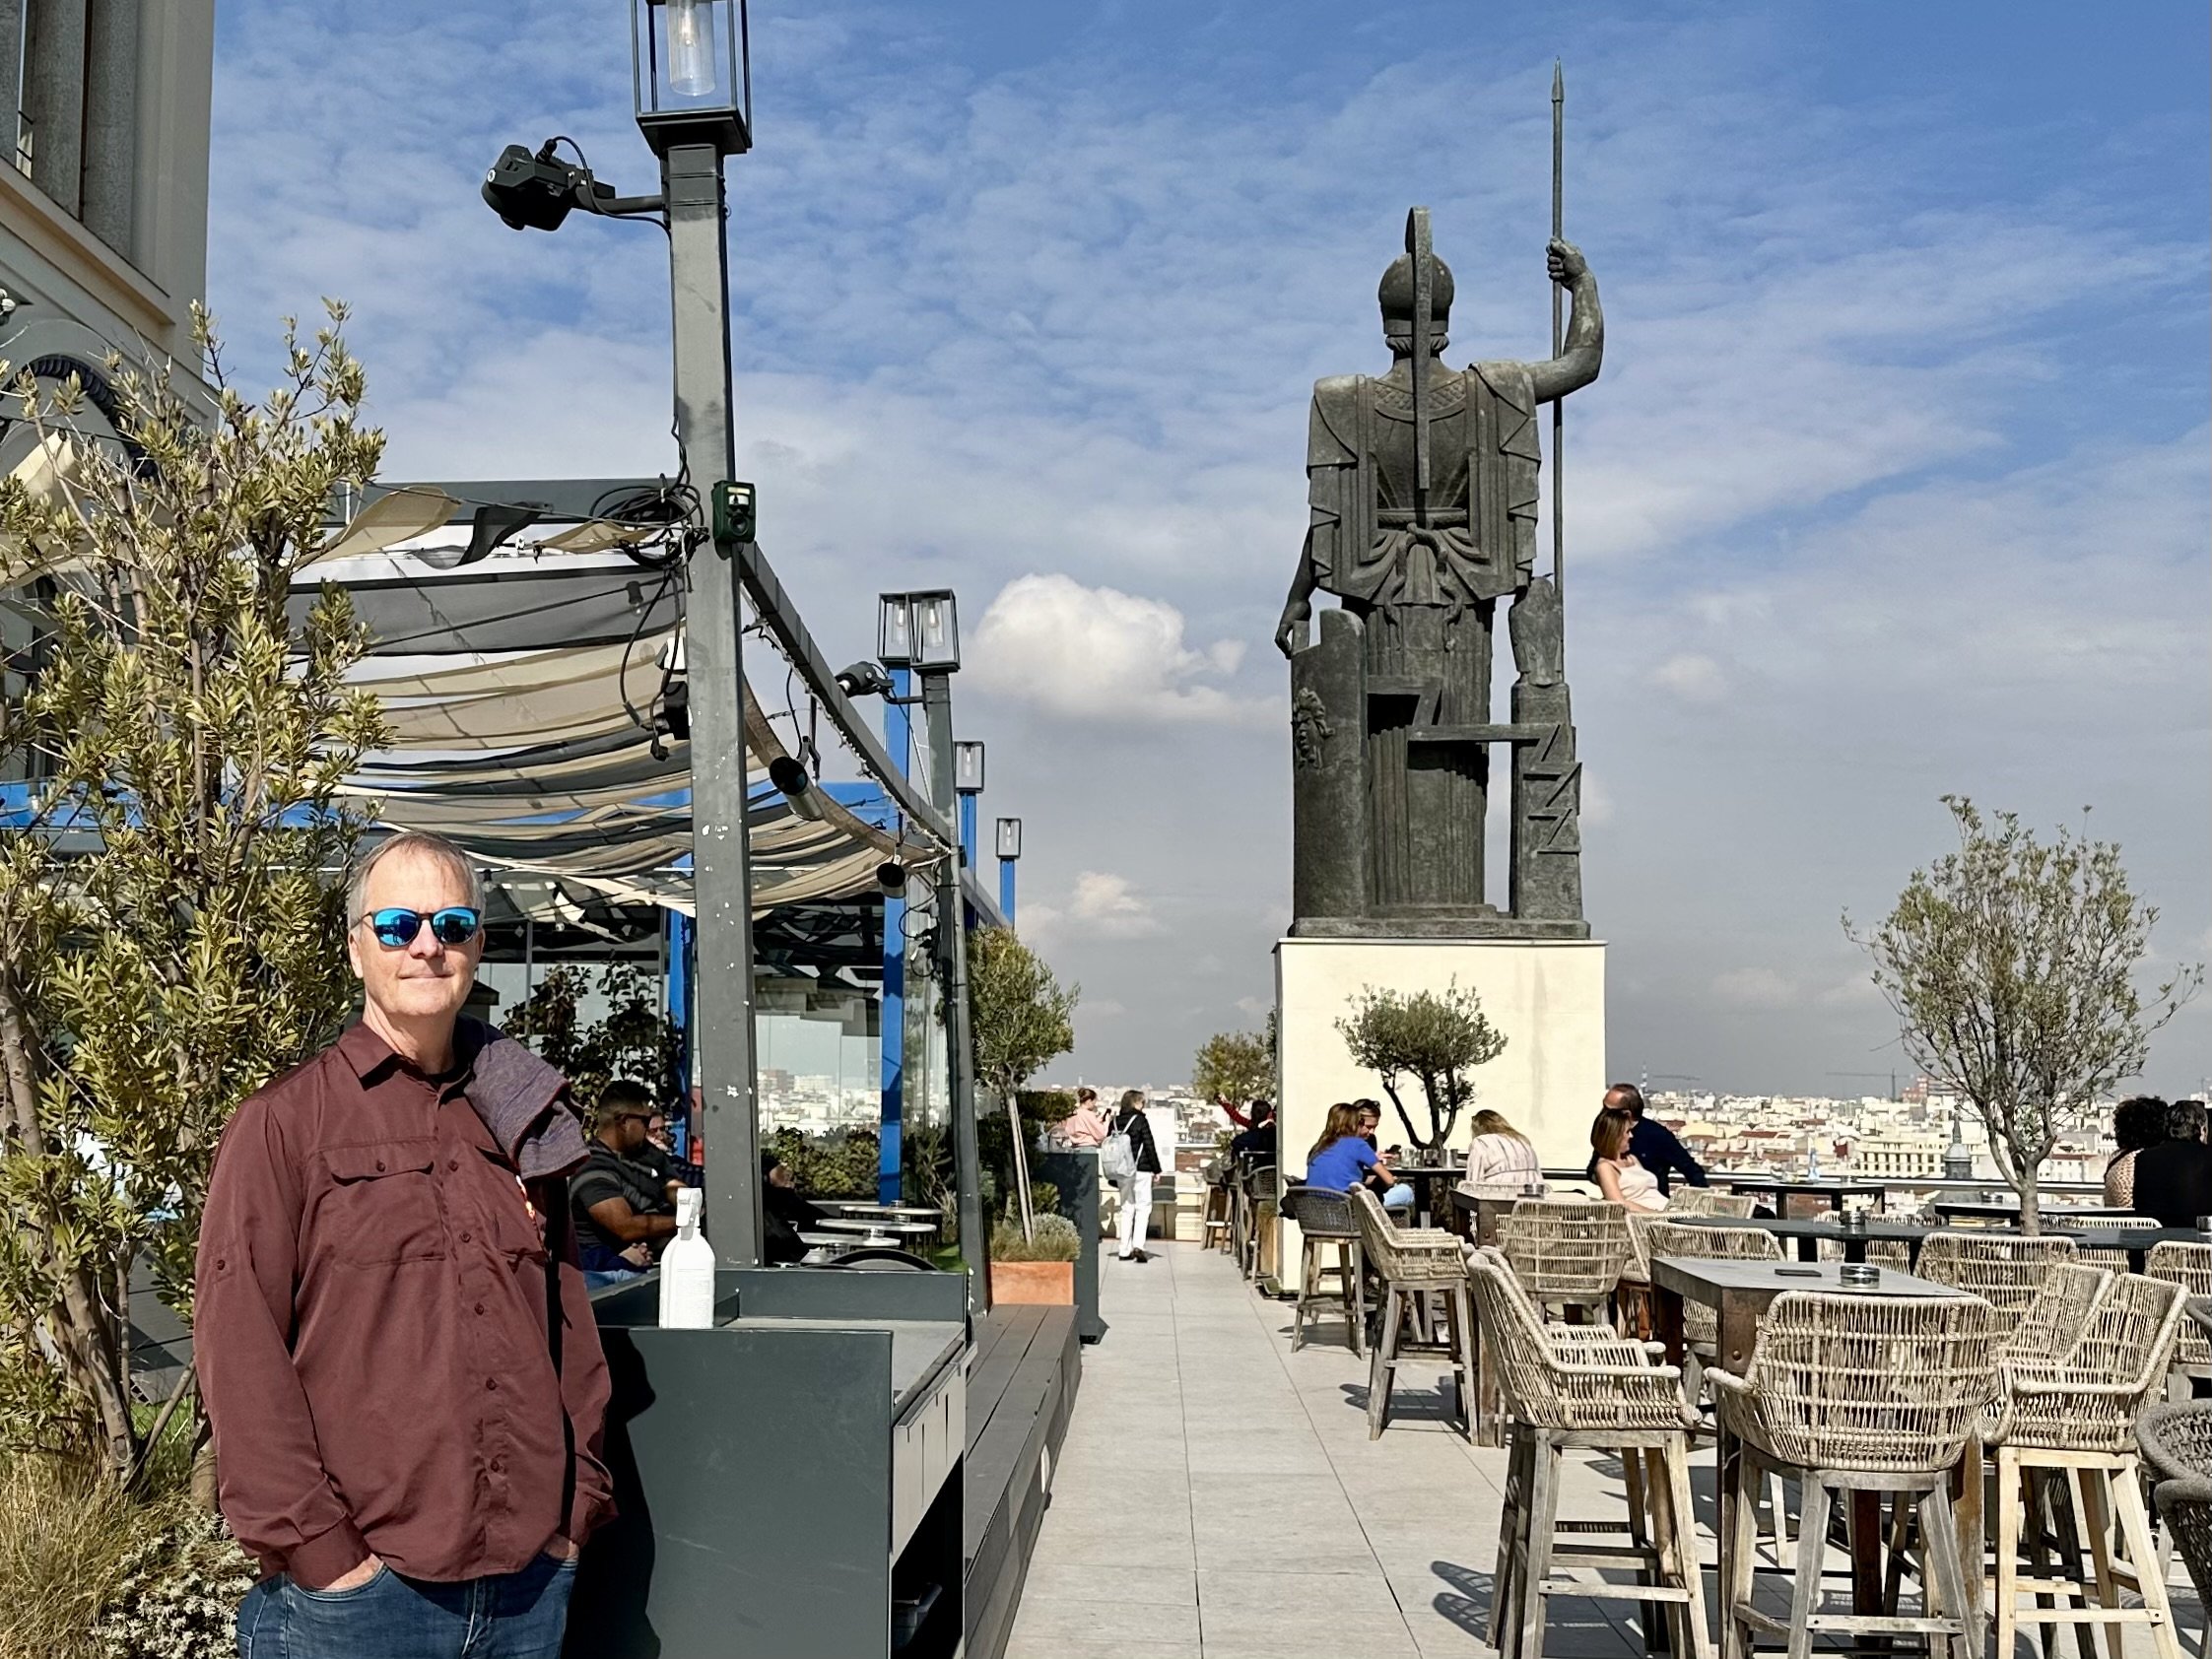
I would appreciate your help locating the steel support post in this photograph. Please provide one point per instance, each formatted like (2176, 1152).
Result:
(891, 1020)
(951, 957)
(721, 880)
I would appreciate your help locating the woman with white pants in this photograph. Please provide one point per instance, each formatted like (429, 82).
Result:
(1137, 1189)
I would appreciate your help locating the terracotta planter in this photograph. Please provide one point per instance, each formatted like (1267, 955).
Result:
(1034, 1284)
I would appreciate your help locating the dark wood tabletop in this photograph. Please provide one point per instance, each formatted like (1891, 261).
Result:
(1740, 1293)
(1811, 1232)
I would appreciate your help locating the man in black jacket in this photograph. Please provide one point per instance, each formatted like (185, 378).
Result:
(1654, 1145)
(2173, 1181)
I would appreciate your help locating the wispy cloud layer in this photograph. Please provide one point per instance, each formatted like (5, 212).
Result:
(1895, 480)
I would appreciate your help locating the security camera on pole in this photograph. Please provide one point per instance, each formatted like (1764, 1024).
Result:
(691, 77)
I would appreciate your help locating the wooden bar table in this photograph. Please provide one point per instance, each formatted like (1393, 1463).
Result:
(1739, 1292)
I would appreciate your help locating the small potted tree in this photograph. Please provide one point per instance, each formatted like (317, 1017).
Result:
(1433, 1038)
(1039, 1269)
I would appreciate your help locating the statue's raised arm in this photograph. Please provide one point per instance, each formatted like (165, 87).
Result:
(1578, 362)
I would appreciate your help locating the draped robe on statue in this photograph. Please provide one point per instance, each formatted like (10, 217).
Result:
(1426, 593)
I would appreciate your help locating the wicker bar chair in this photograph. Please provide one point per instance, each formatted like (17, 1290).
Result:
(1411, 1262)
(1855, 1393)
(2003, 1271)
(2177, 1447)
(1324, 1219)
(1571, 1387)
(2072, 1427)
(1663, 1236)
(1569, 1253)
(1710, 1201)
(2190, 1267)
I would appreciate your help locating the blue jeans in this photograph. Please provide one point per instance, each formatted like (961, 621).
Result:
(596, 1280)
(507, 1616)
(1399, 1196)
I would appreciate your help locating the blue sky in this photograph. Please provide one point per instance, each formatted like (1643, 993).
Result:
(1896, 482)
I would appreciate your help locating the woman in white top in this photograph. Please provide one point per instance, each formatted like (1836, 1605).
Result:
(1618, 1176)
(1499, 1158)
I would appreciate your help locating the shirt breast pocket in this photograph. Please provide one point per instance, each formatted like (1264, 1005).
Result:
(382, 1206)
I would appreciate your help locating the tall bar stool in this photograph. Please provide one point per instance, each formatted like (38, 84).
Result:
(2003, 1271)
(1568, 1253)
(2072, 1422)
(1324, 1219)
(1253, 1178)
(1571, 1387)
(1855, 1393)
(1411, 1262)
(1217, 1223)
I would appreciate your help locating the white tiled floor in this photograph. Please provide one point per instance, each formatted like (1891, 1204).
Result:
(1217, 1496)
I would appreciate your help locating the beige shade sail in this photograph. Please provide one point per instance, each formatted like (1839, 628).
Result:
(404, 514)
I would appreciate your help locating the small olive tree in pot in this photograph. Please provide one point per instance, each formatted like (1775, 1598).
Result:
(2012, 965)
(1436, 1038)
(1023, 1016)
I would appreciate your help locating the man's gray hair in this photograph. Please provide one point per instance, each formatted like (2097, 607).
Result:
(424, 844)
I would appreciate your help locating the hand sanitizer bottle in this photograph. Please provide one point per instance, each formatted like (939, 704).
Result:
(686, 1270)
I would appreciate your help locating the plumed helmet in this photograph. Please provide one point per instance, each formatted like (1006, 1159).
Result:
(1396, 290)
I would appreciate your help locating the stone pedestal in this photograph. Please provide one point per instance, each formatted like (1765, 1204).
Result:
(1547, 995)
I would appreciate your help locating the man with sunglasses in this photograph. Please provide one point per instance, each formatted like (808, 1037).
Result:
(623, 1205)
(393, 1337)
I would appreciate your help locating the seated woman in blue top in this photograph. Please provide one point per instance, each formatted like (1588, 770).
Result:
(1341, 1158)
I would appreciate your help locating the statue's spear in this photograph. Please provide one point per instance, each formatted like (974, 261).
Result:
(1558, 339)
(1418, 253)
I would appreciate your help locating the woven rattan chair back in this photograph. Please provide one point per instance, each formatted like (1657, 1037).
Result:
(1405, 1255)
(1710, 1201)
(1567, 1251)
(2190, 1267)
(1569, 1377)
(2059, 1314)
(1320, 1212)
(2003, 1271)
(2085, 1398)
(1881, 1384)
(2177, 1444)
(1663, 1236)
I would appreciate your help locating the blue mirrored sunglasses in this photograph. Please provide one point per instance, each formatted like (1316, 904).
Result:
(456, 924)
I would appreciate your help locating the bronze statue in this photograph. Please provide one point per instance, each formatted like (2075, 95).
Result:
(1423, 490)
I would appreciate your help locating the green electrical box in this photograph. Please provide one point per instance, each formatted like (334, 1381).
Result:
(735, 519)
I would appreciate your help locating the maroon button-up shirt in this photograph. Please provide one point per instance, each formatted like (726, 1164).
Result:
(372, 1337)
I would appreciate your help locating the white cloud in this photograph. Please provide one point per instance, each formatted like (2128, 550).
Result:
(1095, 653)
(1692, 677)
(1754, 988)
(1099, 905)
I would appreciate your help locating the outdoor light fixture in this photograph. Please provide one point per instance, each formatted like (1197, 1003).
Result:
(895, 630)
(890, 876)
(865, 680)
(936, 630)
(919, 630)
(799, 793)
(1009, 839)
(692, 73)
(967, 768)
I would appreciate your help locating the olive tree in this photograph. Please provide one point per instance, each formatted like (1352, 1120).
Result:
(1023, 1017)
(171, 918)
(1233, 1067)
(1436, 1038)
(2013, 966)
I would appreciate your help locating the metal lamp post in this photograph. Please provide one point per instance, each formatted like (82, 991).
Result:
(1009, 855)
(692, 84)
(919, 634)
(968, 783)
